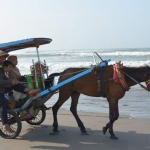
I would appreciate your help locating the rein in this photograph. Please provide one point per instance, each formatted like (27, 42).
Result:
(142, 86)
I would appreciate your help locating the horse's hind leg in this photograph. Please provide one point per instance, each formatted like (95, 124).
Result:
(62, 98)
(75, 96)
(113, 116)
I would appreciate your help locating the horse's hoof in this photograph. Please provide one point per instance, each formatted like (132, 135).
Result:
(113, 137)
(104, 130)
(84, 132)
(56, 131)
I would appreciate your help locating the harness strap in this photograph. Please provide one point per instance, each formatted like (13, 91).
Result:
(121, 77)
(101, 82)
(99, 74)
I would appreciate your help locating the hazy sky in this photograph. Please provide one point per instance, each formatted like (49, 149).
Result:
(77, 24)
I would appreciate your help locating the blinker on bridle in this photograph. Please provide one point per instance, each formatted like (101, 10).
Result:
(148, 83)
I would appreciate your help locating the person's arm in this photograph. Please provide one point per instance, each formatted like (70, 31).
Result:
(3, 80)
(5, 83)
(12, 75)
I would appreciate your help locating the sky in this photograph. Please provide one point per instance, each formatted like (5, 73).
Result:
(77, 24)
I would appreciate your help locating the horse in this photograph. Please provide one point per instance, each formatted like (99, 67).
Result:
(88, 85)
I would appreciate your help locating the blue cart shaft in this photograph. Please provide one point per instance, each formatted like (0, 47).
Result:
(55, 87)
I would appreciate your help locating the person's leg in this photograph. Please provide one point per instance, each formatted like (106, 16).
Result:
(3, 112)
(8, 89)
(19, 88)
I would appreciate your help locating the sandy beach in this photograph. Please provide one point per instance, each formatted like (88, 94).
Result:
(133, 134)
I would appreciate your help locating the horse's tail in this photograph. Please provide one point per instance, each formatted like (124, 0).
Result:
(50, 80)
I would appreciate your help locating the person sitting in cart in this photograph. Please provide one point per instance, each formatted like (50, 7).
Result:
(5, 86)
(7, 67)
(14, 73)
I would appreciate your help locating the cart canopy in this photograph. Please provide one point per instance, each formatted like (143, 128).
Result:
(21, 44)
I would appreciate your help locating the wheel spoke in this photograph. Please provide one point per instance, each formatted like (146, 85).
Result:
(39, 118)
(15, 124)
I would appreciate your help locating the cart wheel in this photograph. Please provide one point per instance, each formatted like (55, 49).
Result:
(39, 118)
(14, 122)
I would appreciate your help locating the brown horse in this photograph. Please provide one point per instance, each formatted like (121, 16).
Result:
(87, 85)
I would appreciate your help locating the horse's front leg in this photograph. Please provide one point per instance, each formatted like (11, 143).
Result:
(55, 108)
(75, 96)
(113, 116)
(55, 123)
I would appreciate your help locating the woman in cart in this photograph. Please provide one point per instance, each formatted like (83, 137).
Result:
(14, 73)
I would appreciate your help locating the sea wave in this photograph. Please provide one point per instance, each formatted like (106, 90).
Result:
(80, 54)
(60, 66)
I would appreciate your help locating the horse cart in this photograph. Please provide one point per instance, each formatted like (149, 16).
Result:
(34, 104)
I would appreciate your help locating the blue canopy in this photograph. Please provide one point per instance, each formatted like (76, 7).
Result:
(21, 44)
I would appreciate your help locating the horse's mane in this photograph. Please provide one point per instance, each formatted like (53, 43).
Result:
(137, 73)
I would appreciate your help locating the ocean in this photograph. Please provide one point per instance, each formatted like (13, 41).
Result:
(136, 102)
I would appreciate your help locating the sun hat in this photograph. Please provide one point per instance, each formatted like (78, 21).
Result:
(2, 53)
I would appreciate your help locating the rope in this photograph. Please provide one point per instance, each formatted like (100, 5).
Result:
(71, 73)
(83, 85)
(142, 86)
(96, 82)
(65, 74)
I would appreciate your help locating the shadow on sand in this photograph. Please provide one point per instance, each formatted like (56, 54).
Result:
(71, 138)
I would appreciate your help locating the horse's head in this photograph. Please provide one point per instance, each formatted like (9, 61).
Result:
(137, 74)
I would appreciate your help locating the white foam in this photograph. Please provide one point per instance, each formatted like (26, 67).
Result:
(82, 53)
(60, 66)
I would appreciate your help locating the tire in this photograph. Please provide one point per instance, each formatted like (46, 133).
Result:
(39, 118)
(14, 122)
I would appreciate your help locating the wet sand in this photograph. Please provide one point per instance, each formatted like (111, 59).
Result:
(133, 134)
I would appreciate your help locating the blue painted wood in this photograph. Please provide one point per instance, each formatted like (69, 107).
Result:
(25, 43)
(55, 87)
